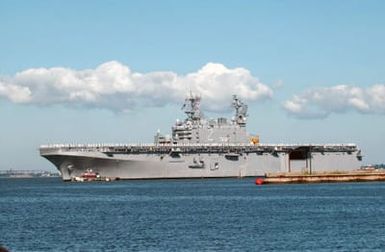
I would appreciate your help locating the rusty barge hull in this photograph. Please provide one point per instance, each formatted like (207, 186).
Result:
(354, 176)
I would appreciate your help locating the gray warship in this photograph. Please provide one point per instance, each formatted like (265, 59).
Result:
(201, 148)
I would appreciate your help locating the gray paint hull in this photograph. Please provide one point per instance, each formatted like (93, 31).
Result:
(206, 165)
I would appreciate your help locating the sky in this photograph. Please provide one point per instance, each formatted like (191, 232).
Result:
(117, 71)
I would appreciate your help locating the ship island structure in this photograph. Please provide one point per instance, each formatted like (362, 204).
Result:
(201, 148)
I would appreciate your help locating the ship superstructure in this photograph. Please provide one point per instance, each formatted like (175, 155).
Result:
(200, 147)
(196, 129)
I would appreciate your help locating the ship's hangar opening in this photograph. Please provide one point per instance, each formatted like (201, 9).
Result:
(300, 153)
(300, 160)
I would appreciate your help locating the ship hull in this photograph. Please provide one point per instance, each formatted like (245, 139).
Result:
(205, 165)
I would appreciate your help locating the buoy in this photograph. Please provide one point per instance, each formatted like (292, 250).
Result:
(259, 181)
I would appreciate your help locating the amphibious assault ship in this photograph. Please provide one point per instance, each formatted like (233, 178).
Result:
(199, 148)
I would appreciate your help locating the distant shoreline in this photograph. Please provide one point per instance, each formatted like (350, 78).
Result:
(28, 174)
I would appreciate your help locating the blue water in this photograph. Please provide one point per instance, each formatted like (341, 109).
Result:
(190, 215)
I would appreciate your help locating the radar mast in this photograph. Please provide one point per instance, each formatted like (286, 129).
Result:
(240, 111)
(191, 107)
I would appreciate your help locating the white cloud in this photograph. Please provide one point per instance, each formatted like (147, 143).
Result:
(115, 86)
(15, 93)
(321, 102)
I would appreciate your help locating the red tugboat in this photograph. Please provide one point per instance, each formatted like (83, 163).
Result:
(90, 175)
